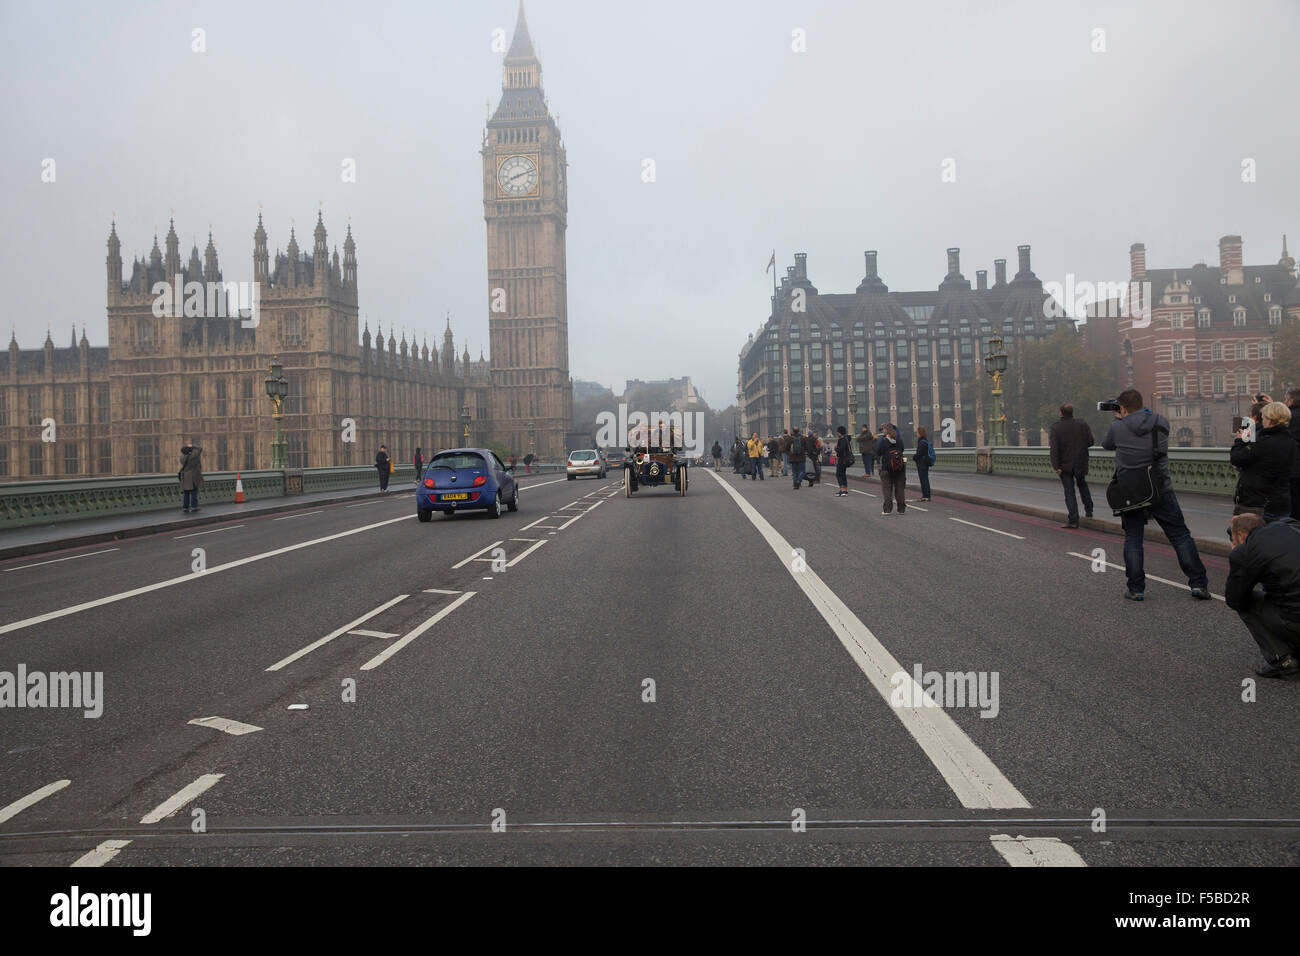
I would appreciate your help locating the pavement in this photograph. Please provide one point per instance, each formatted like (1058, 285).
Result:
(594, 679)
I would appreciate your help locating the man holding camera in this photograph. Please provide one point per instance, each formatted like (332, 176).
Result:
(1267, 553)
(1130, 437)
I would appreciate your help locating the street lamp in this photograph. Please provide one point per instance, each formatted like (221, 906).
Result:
(276, 390)
(995, 364)
(465, 420)
(853, 416)
(807, 419)
(532, 439)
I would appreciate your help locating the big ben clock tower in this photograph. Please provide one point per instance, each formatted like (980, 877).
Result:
(525, 203)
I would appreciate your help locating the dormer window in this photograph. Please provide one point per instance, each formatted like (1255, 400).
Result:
(1196, 300)
(1258, 280)
(1203, 319)
(1223, 280)
(1268, 297)
(1238, 317)
(1275, 316)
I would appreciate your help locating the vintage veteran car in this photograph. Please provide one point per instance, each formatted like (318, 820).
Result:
(655, 456)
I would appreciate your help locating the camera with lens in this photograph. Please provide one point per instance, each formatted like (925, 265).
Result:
(1110, 406)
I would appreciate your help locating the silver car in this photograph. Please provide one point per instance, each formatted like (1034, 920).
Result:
(585, 461)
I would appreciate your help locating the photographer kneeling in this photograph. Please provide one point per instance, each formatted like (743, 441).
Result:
(1264, 486)
(1267, 553)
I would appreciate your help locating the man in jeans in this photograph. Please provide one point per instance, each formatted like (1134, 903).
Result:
(893, 470)
(1070, 440)
(1129, 437)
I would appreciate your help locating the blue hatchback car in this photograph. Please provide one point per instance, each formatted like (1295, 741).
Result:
(464, 479)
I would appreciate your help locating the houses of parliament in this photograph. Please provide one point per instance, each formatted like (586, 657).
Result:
(164, 381)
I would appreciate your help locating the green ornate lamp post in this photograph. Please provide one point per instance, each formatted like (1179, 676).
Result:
(465, 420)
(276, 390)
(532, 439)
(995, 364)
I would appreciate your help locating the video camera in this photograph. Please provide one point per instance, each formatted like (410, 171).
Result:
(1110, 406)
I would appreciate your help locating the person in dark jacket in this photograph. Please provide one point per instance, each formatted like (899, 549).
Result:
(1130, 438)
(866, 445)
(1267, 553)
(381, 465)
(922, 459)
(1293, 402)
(893, 469)
(1265, 465)
(783, 445)
(797, 457)
(1069, 440)
(843, 449)
(191, 476)
(418, 462)
(774, 455)
(716, 451)
(812, 450)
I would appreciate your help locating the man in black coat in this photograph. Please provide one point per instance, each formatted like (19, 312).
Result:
(1266, 465)
(1069, 440)
(381, 465)
(1267, 553)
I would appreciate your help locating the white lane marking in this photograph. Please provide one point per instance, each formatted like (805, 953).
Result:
(102, 853)
(535, 523)
(543, 484)
(867, 493)
(968, 771)
(333, 634)
(297, 707)
(181, 797)
(986, 528)
(439, 591)
(525, 553)
(1149, 577)
(392, 649)
(73, 557)
(475, 555)
(302, 514)
(185, 578)
(525, 540)
(36, 796)
(383, 634)
(1035, 851)
(362, 504)
(213, 531)
(225, 725)
(917, 507)
(576, 517)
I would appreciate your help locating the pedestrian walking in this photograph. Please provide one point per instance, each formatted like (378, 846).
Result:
(867, 446)
(384, 466)
(1265, 465)
(773, 455)
(784, 444)
(191, 476)
(716, 451)
(797, 458)
(1140, 439)
(843, 459)
(418, 461)
(1069, 440)
(756, 453)
(893, 469)
(924, 458)
(813, 454)
(528, 463)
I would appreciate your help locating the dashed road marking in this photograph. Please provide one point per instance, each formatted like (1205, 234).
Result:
(393, 648)
(1035, 851)
(72, 557)
(36, 796)
(333, 634)
(1149, 577)
(383, 634)
(181, 797)
(233, 727)
(525, 553)
(102, 853)
(301, 514)
(195, 534)
(494, 544)
(986, 528)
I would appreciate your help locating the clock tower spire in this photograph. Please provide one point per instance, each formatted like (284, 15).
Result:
(525, 206)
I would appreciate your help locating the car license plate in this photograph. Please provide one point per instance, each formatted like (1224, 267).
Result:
(460, 497)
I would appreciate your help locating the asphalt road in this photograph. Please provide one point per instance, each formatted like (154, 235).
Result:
(707, 679)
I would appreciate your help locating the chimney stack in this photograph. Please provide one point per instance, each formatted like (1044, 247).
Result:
(1137, 260)
(982, 279)
(1230, 259)
(999, 272)
(801, 265)
(954, 262)
(1025, 272)
(871, 264)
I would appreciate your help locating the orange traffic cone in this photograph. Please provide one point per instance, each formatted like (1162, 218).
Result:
(239, 489)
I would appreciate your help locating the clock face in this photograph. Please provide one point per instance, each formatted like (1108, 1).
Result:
(517, 176)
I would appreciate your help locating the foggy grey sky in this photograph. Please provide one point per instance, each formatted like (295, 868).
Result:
(831, 151)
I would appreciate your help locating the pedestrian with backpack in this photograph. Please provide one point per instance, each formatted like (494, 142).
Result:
(783, 444)
(796, 457)
(893, 469)
(843, 460)
(924, 458)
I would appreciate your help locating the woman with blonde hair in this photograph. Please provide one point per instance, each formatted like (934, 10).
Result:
(1264, 482)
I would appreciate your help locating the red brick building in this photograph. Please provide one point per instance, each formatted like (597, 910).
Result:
(1198, 342)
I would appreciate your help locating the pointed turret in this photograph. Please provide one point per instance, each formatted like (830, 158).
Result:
(320, 255)
(448, 349)
(195, 273)
(211, 271)
(1286, 262)
(522, 73)
(114, 260)
(292, 253)
(349, 259)
(261, 260)
(173, 261)
(365, 343)
(521, 47)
